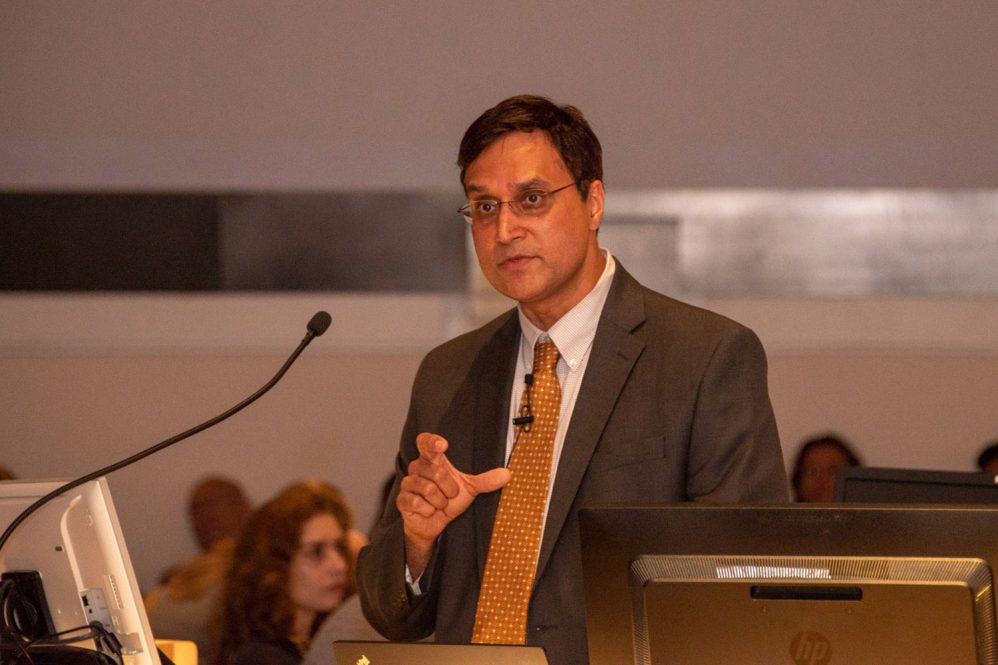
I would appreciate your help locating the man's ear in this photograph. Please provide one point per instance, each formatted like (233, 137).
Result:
(594, 201)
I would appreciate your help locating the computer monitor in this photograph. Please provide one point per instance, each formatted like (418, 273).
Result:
(857, 484)
(75, 544)
(798, 584)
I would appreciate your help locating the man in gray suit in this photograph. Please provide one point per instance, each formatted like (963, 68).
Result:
(659, 400)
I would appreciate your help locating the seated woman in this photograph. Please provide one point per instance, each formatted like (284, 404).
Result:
(291, 568)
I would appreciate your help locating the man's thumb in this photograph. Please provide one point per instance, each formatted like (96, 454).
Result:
(489, 481)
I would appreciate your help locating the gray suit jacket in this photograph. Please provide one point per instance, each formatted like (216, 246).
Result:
(674, 406)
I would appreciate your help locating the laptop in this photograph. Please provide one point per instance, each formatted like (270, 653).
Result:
(429, 653)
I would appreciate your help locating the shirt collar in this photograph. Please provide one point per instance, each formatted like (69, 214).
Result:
(574, 332)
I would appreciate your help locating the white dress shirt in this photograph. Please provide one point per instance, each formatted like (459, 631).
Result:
(573, 334)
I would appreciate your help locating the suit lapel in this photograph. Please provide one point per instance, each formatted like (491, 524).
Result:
(615, 350)
(495, 366)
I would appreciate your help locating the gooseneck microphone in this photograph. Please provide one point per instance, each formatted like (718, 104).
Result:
(317, 325)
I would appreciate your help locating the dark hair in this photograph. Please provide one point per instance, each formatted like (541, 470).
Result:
(988, 455)
(220, 485)
(255, 603)
(568, 130)
(829, 440)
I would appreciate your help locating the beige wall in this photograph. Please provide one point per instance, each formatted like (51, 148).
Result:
(354, 94)
(912, 382)
(95, 386)
(335, 417)
(357, 95)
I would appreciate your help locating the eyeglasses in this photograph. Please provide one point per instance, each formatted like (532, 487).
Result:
(530, 203)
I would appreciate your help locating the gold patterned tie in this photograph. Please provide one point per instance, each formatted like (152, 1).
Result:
(511, 563)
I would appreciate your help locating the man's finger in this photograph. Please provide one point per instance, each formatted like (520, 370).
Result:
(409, 504)
(488, 481)
(426, 489)
(431, 446)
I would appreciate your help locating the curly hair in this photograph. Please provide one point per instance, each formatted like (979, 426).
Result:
(256, 605)
(567, 128)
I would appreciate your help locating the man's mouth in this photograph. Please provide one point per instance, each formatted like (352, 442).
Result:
(514, 261)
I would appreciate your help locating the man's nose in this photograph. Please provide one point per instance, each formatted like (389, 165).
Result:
(509, 225)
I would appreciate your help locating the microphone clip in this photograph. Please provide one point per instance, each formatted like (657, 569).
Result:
(526, 417)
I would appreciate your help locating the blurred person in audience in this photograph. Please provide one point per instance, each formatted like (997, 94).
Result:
(292, 567)
(816, 465)
(180, 607)
(987, 460)
(348, 622)
(217, 508)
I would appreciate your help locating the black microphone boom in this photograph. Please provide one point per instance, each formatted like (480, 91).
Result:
(318, 324)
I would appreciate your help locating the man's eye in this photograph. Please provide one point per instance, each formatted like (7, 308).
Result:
(532, 200)
(485, 207)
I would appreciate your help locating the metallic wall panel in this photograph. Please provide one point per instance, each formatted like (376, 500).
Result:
(837, 243)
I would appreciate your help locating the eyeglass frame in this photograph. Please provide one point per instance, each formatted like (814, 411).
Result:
(513, 204)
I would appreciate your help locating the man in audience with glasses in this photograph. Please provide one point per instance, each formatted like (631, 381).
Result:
(634, 397)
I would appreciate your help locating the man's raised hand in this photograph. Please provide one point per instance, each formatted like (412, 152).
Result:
(434, 493)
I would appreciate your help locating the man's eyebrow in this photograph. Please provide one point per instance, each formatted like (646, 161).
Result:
(532, 183)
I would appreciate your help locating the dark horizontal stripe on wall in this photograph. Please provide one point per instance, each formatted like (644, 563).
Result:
(129, 242)
(374, 241)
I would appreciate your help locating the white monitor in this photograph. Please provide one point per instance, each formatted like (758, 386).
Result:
(76, 545)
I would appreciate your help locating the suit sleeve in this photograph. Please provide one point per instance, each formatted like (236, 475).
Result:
(735, 453)
(388, 603)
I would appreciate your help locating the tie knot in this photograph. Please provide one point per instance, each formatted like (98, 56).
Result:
(545, 356)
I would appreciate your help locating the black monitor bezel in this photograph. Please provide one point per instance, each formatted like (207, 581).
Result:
(864, 484)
